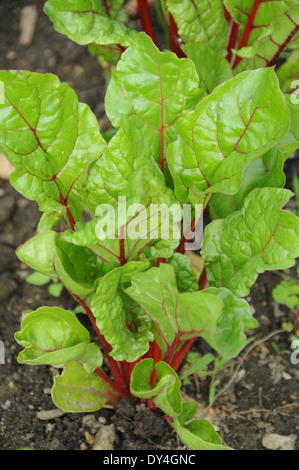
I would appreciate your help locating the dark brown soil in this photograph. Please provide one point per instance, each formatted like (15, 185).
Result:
(264, 399)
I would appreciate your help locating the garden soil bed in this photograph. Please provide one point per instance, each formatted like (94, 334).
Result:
(263, 399)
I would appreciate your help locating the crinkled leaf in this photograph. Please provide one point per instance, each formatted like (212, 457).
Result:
(109, 310)
(177, 316)
(257, 238)
(236, 317)
(239, 121)
(50, 138)
(265, 49)
(165, 392)
(55, 336)
(185, 275)
(77, 391)
(113, 7)
(155, 86)
(127, 152)
(212, 68)
(202, 21)
(86, 22)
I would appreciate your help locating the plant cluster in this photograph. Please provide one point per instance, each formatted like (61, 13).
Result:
(210, 130)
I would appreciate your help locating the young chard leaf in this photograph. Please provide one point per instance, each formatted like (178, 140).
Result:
(239, 121)
(185, 275)
(165, 392)
(76, 266)
(55, 336)
(77, 391)
(257, 238)
(86, 22)
(50, 138)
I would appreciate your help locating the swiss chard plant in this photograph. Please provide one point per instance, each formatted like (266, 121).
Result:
(222, 38)
(185, 158)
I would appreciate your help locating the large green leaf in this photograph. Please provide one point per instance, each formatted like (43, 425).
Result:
(50, 138)
(86, 22)
(202, 21)
(177, 316)
(127, 151)
(77, 391)
(55, 336)
(239, 121)
(155, 86)
(257, 238)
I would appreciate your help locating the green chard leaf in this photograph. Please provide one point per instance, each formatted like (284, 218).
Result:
(236, 317)
(157, 88)
(109, 308)
(77, 391)
(185, 275)
(278, 31)
(126, 152)
(137, 227)
(237, 123)
(86, 22)
(212, 68)
(50, 138)
(257, 238)
(55, 336)
(199, 434)
(165, 392)
(289, 71)
(75, 266)
(177, 316)
(202, 21)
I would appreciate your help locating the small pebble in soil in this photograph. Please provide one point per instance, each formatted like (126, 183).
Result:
(273, 441)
